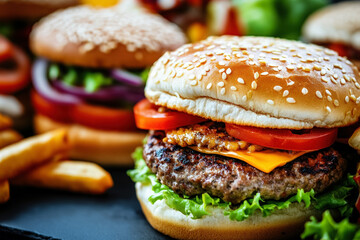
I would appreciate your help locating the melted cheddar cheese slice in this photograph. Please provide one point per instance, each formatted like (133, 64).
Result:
(265, 161)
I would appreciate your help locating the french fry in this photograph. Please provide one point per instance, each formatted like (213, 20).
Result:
(8, 137)
(75, 176)
(28, 153)
(5, 122)
(4, 191)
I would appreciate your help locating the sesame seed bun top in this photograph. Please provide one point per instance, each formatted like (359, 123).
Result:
(335, 23)
(258, 81)
(104, 37)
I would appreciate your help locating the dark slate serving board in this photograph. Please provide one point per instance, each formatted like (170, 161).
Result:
(47, 214)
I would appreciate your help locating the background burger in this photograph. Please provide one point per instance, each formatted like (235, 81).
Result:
(92, 68)
(336, 27)
(241, 138)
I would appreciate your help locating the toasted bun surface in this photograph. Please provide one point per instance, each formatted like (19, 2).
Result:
(335, 23)
(284, 224)
(31, 9)
(257, 81)
(104, 37)
(103, 147)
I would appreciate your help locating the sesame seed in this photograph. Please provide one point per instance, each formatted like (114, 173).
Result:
(191, 76)
(256, 75)
(221, 84)
(277, 88)
(304, 91)
(357, 85)
(290, 67)
(337, 66)
(228, 71)
(193, 82)
(336, 103)
(253, 85)
(264, 73)
(328, 92)
(271, 102)
(333, 80)
(347, 99)
(335, 76)
(328, 109)
(329, 98)
(262, 62)
(223, 76)
(222, 91)
(244, 98)
(290, 83)
(352, 97)
(318, 94)
(307, 69)
(317, 67)
(209, 86)
(347, 78)
(358, 100)
(233, 88)
(290, 100)
(278, 76)
(240, 80)
(222, 70)
(199, 77)
(207, 68)
(285, 93)
(323, 72)
(342, 81)
(203, 72)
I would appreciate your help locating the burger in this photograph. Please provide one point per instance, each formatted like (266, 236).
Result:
(90, 72)
(14, 84)
(241, 138)
(336, 27)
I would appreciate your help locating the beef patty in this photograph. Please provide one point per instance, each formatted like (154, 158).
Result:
(189, 172)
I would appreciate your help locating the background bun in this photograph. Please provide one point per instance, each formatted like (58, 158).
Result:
(258, 81)
(104, 37)
(284, 224)
(103, 147)
(335, 23)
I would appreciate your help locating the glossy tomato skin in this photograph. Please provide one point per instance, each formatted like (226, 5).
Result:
(85, 114)
(147, 116)
(314, 139)
(15, 79)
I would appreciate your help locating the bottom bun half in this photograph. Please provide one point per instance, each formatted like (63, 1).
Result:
(284, 224)
(100, 146)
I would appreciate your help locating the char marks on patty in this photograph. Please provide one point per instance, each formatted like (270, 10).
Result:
(189, 172)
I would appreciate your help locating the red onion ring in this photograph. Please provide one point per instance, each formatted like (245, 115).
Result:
(44, 88)
(108, 94)
(126, 77)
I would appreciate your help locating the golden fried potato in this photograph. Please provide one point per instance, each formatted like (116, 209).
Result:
(75, 176)
(28, 153)
(8, 137)
(5, 122)
(4, 191)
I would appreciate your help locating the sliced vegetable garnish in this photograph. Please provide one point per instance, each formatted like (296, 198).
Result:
(89, 115)
(12, 80)
(307, 140)
(6, 49)
(44, 88)
(148, 116)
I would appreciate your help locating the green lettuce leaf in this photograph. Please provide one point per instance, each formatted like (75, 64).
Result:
(328, 229)
(338, 197)
(197, 207)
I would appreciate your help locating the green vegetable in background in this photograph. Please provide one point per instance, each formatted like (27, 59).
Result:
(278, 18)
(328, 229)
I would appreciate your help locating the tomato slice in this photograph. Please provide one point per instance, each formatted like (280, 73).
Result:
(147, 116)
(59, 113)
(104, 118)
(6, 49)
(88, 115)
(314, 139)
(15, 79)
(339, 48)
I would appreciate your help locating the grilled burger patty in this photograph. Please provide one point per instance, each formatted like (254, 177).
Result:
(189, 172)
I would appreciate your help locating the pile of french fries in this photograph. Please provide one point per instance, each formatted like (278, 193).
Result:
(40, 161)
